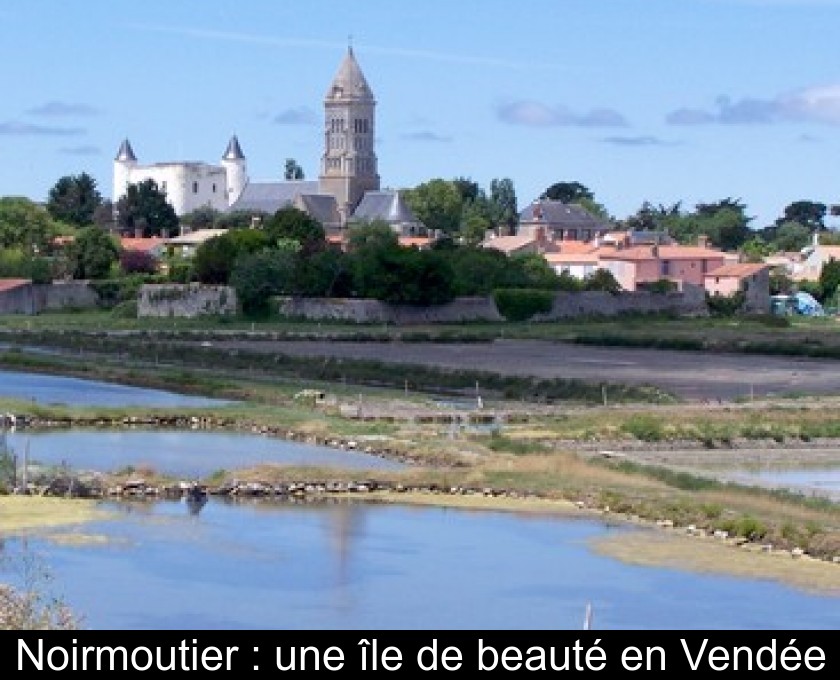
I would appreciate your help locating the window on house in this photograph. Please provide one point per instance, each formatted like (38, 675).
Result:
(214, 188)
(195, 187)
(666, 267)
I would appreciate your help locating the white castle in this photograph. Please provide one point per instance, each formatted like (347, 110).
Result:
(347, 188)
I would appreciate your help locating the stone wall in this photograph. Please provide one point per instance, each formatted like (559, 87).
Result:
(35, 298)
(65, 295)
(374, 311)
(18, 300)
(185, 300)
(689, 302)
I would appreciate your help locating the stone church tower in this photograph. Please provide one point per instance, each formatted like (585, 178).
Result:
(348, 165)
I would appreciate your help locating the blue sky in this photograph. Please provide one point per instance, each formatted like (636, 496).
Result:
(658, 100)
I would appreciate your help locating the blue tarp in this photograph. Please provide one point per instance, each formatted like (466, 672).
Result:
(807, 305)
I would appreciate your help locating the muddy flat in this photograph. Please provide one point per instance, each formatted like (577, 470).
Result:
(690, 375)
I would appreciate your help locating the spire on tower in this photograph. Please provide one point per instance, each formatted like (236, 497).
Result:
(233, 151)
(126, 153)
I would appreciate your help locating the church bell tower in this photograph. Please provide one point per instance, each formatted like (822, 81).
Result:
(348, 164)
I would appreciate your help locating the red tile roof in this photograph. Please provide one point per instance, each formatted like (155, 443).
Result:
(141, 244)
(638, 253)
(738, 271)
(11, 284)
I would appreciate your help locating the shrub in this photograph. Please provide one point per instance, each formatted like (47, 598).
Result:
(644, 427)
(725, 305)
(517, 304)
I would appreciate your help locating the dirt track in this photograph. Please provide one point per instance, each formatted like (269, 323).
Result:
(691, 375)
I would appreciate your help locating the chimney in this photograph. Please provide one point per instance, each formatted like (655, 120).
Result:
(703, 241)
(541, 239)
(164, 233)
(654, 250)
(815, 240)
(138, 232)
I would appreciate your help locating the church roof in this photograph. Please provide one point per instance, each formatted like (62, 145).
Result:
(234, 151)
(269, 197)
(320, 207)
(388, 206)
(349, 81)
(126, 153)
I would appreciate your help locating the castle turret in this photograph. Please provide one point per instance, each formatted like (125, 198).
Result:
(124, 162)
(348, 165)
(236, 169)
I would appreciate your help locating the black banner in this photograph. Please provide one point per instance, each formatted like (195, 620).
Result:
(418, 652)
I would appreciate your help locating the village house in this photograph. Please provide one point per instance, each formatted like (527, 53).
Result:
(752, 279)
(638, 265)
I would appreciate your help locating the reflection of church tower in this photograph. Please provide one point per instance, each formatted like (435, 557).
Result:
(348, 166)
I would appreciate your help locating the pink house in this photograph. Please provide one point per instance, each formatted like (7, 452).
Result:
(753, 279)
(647, 264)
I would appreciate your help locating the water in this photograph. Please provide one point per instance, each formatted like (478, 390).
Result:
(258, 566)
(189, 453)
(52, 389)
(817, 481)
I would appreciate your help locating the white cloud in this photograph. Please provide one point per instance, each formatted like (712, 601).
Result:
(17, 128)
(57, 108)
(536, 114)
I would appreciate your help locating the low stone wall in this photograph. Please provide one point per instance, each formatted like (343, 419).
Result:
(66, 295)
(374, 311)
(689, 302)
(35, 298)
(185, 300)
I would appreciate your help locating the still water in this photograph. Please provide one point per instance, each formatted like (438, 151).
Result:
(274, 566)
(811, 481)
(258, 566)
(189, 453)
(52, 389)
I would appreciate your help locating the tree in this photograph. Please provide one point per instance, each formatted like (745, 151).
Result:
(567, 192)
(830, 280)
(756, 249)
(503, 209)
(74, 199)
(257, 276)
(371, 237)
(201, 218)
(137, 262)
(289, 223)
(214, 260)
(437, 204)
(92, 253)
(791, 236)
(476, 220)
(809, 214)
(25, 225)
(602, 279)
(144, 206)
(292, 170)
(326, 273)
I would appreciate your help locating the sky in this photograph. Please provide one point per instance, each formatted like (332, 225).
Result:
(640, 100)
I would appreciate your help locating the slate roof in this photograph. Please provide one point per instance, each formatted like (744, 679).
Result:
(321, 207)
(233, 151)
(126, 153)
(349, 81)
(388, 206)
(559, 215)
(269, 197)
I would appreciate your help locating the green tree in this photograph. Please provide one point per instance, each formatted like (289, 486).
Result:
(292, 170)
(92, 254)
(567, 192)
(809, 214)
(478, 270)
(144, 206)
(829, 280)
(257, 276)
(476, 220)
(292, 224)
(756, 249)
(536, 270)
(602, 279)
(203, 217)
(437, 204)
(215, 259)
(74, 199)
(15, 264)
(790, 236)
(326, 273)
(371, 237)
(25, 225)
(503, 209)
